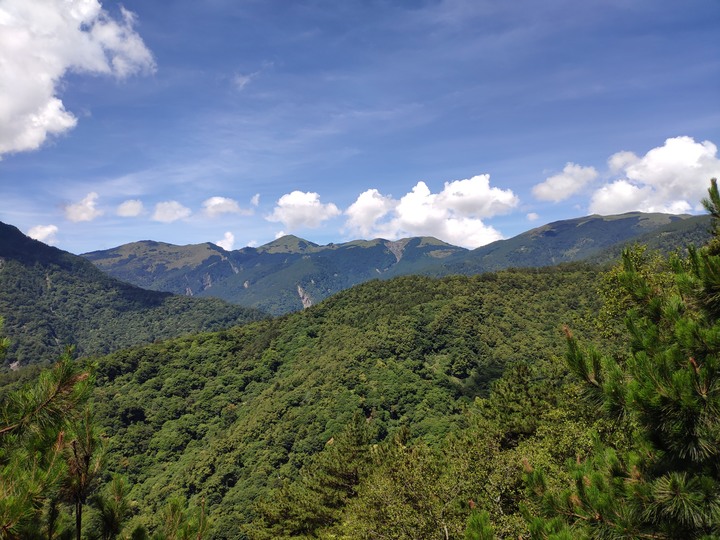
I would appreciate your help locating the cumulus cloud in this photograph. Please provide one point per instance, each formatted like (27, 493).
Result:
(169, 211)
(255, 199)
(454, 215)
(562, 186)
(365, 212)
(532, 216)
(216, 206)
(40, 42)
(474, 197)
(672, 178)
(44, 233)
(84, 210)
(302, 209)
(130, 208)
(227, 242)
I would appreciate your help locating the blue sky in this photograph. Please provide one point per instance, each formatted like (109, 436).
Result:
(235, 121)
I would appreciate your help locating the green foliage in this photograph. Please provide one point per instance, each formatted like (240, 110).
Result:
(324, 487)
(113, 507)
(234, 415)
(479, 527)
(667, 484)
(33, 422)
(51, 299)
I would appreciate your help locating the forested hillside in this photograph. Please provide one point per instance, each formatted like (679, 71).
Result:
(225, 417)
(51, 299)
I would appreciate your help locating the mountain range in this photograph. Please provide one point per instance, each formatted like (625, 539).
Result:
(291, 273)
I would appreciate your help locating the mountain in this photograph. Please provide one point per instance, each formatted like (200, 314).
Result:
(285, 275)
(291, 273)
(51, 298)
(593, 237)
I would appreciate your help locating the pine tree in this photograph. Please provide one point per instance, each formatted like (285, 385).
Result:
(83, 455)
(113, 507)
(316, 500)
(33, 425)
(667, 392)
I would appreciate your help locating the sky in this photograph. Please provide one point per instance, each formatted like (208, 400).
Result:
(238, 121)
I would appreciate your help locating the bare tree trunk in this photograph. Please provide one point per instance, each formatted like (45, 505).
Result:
(78, 519)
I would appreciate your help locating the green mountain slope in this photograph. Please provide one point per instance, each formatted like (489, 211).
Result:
(291, 273)
(285, 275)
(597, 237)
(224, 417)
(50, 298)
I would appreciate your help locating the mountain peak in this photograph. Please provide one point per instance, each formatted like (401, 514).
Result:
(288, 244)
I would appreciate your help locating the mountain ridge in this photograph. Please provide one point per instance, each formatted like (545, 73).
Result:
(291, 273)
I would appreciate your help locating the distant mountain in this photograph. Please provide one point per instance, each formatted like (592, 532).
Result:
(285, 275)
(596, 238)
(291, 273)
(51, 298)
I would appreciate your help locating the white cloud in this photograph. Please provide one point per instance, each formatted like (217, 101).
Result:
(227, 242)
(532, 216)
(84, 210)
(40, 42)
(566, 184)
(454, 215)
(44, 233)
(365, 212)
(255, 199)
(215, 206)
(618, 161)
(672, 178)
(301, 209)
(130, 208)
(474, 197)
(169, 211)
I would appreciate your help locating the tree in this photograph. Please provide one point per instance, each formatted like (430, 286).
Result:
(83, 455)
(113, 507)
(667, 392)
(326, 485)
(33, 424)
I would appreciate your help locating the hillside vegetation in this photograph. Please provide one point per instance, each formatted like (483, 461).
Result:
(51, 299)
(225, 417)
